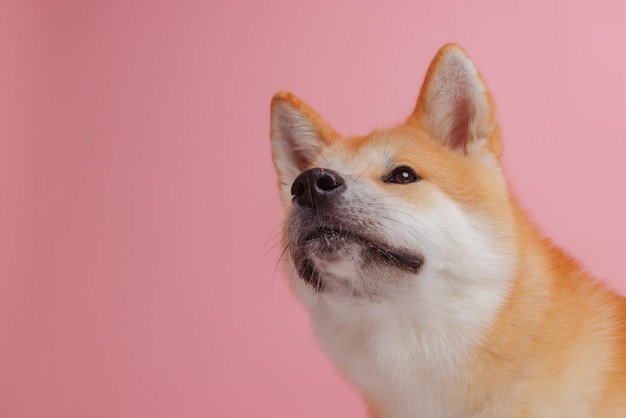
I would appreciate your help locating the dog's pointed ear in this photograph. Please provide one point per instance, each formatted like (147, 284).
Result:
(297, 135)
(454, 105)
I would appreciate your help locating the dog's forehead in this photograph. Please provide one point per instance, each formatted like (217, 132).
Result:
(380, 150)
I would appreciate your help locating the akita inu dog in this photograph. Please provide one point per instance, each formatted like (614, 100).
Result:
(427, 285)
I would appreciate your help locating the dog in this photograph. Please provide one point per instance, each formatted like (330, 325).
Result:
(427, 285)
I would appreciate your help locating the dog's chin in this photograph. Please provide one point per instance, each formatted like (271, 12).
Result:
(340, 261)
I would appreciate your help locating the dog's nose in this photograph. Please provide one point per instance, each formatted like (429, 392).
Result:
(314, 187)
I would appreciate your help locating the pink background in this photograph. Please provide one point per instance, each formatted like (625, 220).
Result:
(139, 216)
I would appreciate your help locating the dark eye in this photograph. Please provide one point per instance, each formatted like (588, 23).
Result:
(402, 175)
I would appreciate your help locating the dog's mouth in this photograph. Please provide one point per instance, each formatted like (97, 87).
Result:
(328, 244)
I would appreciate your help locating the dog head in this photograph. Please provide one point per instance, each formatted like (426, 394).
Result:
(415, 211)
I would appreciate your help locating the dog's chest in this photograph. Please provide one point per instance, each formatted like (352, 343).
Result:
(403, 367)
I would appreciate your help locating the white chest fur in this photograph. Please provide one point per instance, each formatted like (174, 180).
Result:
(408, 356)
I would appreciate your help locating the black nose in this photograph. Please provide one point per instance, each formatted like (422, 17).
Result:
(314, 187)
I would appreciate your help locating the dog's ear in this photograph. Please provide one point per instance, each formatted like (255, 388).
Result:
(297, 135)
(454, 105)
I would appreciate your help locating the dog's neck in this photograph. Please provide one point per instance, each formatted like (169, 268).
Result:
(406, 360)
(422, 356)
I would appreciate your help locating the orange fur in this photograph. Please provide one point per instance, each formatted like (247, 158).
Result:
(557, 345)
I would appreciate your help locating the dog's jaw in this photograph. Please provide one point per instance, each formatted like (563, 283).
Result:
(345, 248)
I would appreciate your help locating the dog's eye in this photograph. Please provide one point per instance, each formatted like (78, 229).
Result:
(402, 175)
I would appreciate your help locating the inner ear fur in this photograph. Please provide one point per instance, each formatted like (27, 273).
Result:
(454, 104)
(297, 135)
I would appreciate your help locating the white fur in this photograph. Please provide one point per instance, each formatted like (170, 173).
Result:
(409, 352)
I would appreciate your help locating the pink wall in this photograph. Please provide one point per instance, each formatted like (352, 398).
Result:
(139, 216)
